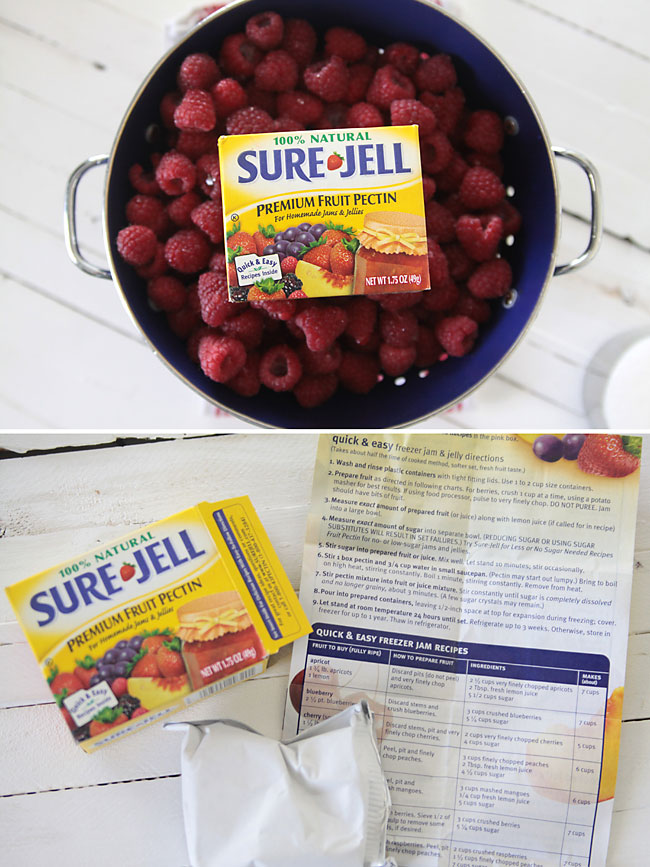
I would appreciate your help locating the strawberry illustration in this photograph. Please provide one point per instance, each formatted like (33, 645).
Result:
(127, 572)
(169, 659)
(65, 681)
(610, 455)
(335, 234)
(85, 670)
(106, 719)
(334, 161)
(237, 238)
(154, 640)
(342, 256)
(319, 255)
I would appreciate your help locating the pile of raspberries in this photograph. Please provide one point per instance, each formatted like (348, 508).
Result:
(278, 75)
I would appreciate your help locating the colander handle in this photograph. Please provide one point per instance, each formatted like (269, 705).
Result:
(70, 218)
(596, 228)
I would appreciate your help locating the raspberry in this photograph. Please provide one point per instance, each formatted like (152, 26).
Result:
(484, 132)
(491, 279)
(346, 43)
(476, 308)
(136, 244)
(479, 236)
(175, 174)
(193, 144)
(456, 334)
(248, 327)
(208, 175)
(239, 56)
(192, 344)
(396, 360)
(183, 322)
(509, 215)
(209, 218)
(493, 162)
(299, 40)
(247, 381)
(288, 265)
(438, 267)
(460, 264)
(286, 124)
(264, 99)
(397, 300)
(228, 95)
(363, 114)
(218, 262)
(157, 267)
(213, 297)
(280, 368)
(436, 74)
(221, 358)
(427, 348)
(403, 57)
(362, 318)
(143, 182)
(265, 30)
(168, 105)
(442, 297)
(328, 79)
(436, 152)
(406, 111)
(447, 107)
(315, 363)
(147, 211)
(312, 391)
(196, 112)
(322, 325)
(280, 310)
(361, 75)
(249, 120)
(179, 210)
(303, 107)
(454, 205)
(428, 188)
(188, 251)
(358, 372)
(441, 225)
(278, 71)
(333, 116)
(388, 84)
(198, 71)
(167, 293)
(398, 328)
(481, 188)
(450, 179)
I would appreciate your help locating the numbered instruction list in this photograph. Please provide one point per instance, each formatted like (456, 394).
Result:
(478, 598)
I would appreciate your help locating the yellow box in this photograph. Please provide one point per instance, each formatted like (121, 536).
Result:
(134, 630)
(344, 208)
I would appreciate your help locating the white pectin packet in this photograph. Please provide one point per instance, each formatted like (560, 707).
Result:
(251, 801)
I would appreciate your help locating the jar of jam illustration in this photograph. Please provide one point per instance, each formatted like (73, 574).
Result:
(392, 254)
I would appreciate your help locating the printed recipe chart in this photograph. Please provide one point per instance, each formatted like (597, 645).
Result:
(489, 638)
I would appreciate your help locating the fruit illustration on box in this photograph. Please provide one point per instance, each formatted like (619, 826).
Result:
(127, 572)
(611, 744)
(334, 161)
(609, 455)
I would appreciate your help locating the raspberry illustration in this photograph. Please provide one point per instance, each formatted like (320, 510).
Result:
(196, 112)
(389, 84)
(278, 71)
(312, 391)
(334, 161)
(175, 174)
(345, 43)
(363, 114)
(491, 279)
(456, 334)
(198, 72)
(610, 455)
(221, 358)
(328, 79)
(249, 120)
(228, 95)
(167, 293)
(322, 325)
(288, 265)
(239, 56)
(481, 188)
(136, 244)
(265, 30)
(406, 111)
(188, 251)
(280, 368)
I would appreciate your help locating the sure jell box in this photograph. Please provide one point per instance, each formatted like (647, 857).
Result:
(140, 627)
(324, 212)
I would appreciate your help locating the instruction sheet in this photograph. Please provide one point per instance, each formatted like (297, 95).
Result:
(478, 597)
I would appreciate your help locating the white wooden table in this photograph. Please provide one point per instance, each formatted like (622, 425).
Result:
(122, 805)
(71, 356)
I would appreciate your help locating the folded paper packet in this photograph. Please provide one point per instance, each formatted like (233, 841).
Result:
(251, 801)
